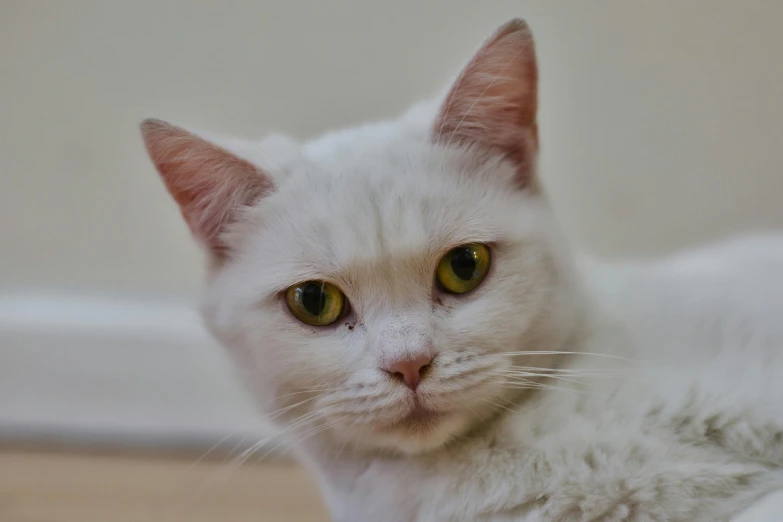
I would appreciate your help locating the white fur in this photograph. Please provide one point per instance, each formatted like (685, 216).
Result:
(567, 389)
(687, 429)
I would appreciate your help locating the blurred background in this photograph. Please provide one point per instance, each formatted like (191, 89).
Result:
(661, 125)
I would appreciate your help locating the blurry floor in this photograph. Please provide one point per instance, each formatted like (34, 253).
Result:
(63, 487)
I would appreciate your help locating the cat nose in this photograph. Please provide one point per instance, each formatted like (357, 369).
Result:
(410, 370)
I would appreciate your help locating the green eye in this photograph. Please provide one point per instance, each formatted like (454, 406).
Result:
(316, 303)
(463, 268)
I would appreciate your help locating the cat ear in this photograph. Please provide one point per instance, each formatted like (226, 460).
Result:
(210, 184)
(493, 102)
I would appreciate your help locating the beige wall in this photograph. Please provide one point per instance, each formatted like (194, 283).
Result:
(662, 121)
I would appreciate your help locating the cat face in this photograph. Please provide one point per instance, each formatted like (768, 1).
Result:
(379, 285)
(379, 240)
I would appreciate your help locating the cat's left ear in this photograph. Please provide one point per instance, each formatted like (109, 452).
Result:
(210, 184)
(493, 103)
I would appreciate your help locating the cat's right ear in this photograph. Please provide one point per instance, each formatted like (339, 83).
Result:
(493, 103)
(210, 184)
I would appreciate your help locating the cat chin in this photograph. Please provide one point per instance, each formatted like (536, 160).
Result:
(417, 436)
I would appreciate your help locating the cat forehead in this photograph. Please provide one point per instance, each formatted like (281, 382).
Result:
(368, 210)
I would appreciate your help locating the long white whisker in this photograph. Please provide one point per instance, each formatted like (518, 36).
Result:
(498, 405)
(238, 461)
(548, 376)
(234, 448)
(517, 379)
(302, 390)
(281, 411)
(557, 352)
(300, 438)
(571, 371)
(541, 386)
(207, 453)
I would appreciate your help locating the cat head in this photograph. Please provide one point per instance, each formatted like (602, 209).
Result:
(380, 284)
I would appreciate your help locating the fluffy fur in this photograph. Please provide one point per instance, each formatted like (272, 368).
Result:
(561, 389)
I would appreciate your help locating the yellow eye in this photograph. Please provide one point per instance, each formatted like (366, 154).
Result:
(463, 268)
(316, 303)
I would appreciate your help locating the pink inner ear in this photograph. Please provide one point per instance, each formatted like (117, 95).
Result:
(210, 184)
(493, 103)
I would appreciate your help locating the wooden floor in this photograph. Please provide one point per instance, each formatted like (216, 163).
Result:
(63, 487)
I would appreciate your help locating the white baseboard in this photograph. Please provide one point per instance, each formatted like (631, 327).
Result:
(113, 372)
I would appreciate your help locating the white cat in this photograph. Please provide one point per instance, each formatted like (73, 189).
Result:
(400, 302)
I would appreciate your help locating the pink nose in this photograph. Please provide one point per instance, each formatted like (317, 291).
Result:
(409, 370)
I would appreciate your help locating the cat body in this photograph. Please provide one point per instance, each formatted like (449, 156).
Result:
(399, 300)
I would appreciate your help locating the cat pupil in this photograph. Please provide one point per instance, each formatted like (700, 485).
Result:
(463, 263)
(313, 299)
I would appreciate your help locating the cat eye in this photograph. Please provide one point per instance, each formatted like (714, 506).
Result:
(316, 303)
(463, 268)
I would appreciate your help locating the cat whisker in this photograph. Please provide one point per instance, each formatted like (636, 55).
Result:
(541, 386)
(207, 453)
(301, 437)
(567, 371)
(302, 390)
(281, 435)
(281, 411)
(559, 352)
(232, 452)
(211, 483)
(545, 375)
(498, 405)
(508, 378)
(298, 438)
(522, 378)
(583, 379)
(330, 424)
